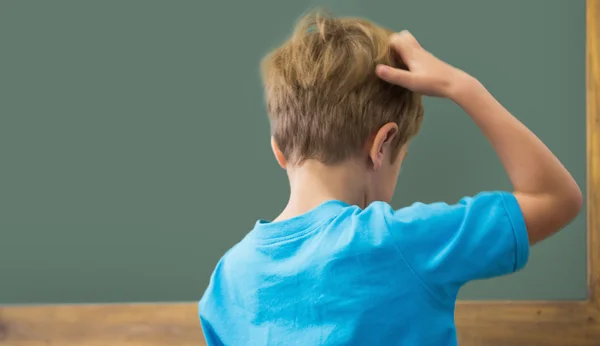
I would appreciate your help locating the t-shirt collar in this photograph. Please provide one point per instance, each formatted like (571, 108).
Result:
(292, 227)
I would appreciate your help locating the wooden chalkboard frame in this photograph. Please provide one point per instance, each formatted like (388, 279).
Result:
(548, 323)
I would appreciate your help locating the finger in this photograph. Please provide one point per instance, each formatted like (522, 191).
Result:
(410, 38)
(395, 76)
(404, 46)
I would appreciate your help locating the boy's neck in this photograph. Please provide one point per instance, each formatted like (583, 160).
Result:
(314, 183)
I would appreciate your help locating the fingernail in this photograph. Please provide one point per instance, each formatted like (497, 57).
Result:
(382, 69)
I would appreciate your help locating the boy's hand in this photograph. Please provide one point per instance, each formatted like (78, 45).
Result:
(426, 74)
(548, 196)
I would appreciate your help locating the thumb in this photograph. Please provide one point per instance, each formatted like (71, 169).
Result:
(396, 76)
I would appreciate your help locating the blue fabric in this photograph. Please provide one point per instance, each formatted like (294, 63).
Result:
(341, 275)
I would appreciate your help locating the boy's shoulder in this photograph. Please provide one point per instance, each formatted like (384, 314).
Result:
(381, 217)
(443, 245)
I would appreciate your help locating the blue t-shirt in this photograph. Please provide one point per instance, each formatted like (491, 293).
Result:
(341, 275)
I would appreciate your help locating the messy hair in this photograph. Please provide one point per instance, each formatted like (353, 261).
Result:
(323, 98)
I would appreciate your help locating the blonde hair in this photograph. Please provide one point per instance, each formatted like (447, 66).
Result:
(322, 95)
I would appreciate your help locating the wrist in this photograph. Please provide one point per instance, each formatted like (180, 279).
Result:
(462, 87)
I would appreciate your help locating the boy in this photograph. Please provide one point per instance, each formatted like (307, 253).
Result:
(339, 266)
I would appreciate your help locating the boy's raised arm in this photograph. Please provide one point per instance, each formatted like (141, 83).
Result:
(546, 192)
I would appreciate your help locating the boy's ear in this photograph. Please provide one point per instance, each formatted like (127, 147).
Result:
(278, 154)
(381, 148)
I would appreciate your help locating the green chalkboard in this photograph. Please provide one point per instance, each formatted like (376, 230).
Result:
(134, 144)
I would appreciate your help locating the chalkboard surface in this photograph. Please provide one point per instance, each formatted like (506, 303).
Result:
(134, 144)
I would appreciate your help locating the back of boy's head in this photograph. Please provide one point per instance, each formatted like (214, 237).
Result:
(323, 98)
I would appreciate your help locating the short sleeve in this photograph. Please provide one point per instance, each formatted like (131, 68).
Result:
(449, 245)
